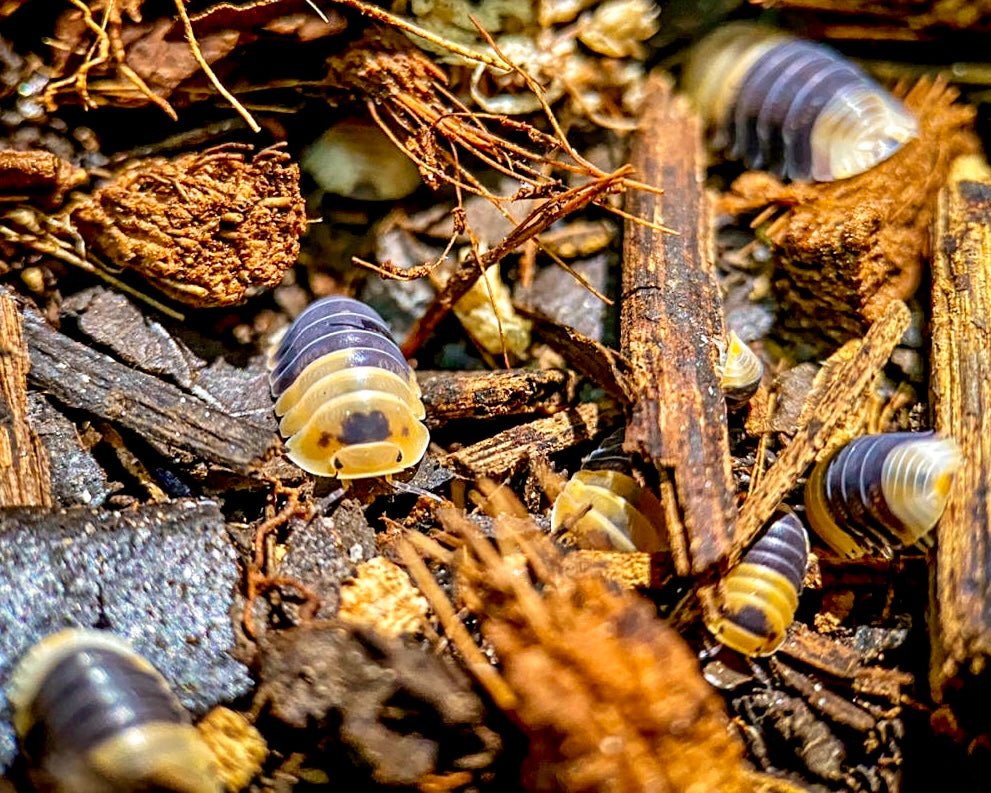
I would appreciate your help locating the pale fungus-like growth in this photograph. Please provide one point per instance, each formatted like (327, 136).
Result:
(357, 160)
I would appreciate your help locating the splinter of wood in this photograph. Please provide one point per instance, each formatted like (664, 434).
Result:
(961, 400)
(24, 478)
(672, 323)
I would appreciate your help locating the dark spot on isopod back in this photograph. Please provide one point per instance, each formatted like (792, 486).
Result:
(324, 441)
(751, 619)
(364, 428)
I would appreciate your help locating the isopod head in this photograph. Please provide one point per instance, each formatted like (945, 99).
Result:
(609, 511)
(756, 601)
(92, 716)
(795, 107)
(882, 492)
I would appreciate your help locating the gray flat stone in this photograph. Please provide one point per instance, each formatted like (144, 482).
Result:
(163, 577)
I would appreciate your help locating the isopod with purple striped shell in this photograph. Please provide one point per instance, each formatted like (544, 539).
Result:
(794, 107)
(348, 400)
(880, 493)
(757, 599)
(92, 716)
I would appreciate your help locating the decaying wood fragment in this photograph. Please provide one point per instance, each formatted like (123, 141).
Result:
(24, 475)
(842, 394)
(505, 452)
(844, 661)
(600, 364)
(210, 228)
(631, 570)
(400, 710)
(449, 396)
(961, 393)
(176, 423)
(848, 248)
(38, 176)
(610, 696)
(672, 325)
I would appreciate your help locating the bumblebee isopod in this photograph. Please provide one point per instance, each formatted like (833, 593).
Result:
(881, 492)
(348, 401)
(92, 716)
(797, 108)
(740, 373)
(606, 508)
(757, 599)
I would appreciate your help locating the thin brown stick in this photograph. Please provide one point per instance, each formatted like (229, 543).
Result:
(455, 630)
(194, 47)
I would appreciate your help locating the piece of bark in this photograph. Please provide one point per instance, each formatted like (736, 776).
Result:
(37, 176)
(961, 399)
(178, 424)
(77, 478)
(506, 452)
(850, 247)
(605, 367)
(477, 395)
(24, 475)
(845, 662)
(823, 700)
(672, 324)
(556, 294)
(161, 576)
(842, 394)
(636, 570)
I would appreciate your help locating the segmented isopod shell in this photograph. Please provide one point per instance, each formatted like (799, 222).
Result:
(92, 716)
(741, 371)
(794, 107)
(616, 513)
(757, 599)
(881, 492)
(348, 401)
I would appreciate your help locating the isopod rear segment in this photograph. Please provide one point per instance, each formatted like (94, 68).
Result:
(92, 716)
(348, 400)
(756, 601)
(880, 493)
(740, 373)
(605, 508)
(794, 107)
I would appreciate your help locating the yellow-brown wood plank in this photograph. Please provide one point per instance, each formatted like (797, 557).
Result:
(24, 477)
(672, 324)
(961, 400)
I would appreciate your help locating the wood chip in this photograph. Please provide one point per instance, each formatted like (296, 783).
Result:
(603, 366)
(844, 662)
(504, 453)
(24, 475)
(961, 388)
(478, 395)
(672, 322)
(629, 570)
(842, 394)
(178, 424)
